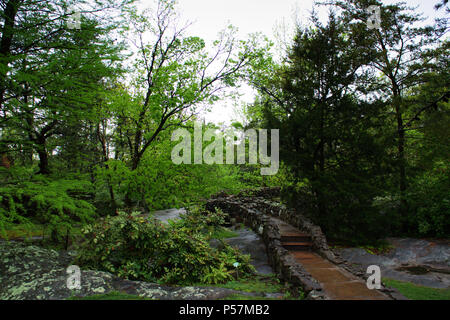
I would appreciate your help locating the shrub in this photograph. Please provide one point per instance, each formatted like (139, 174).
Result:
(195, 219)
(138, 248)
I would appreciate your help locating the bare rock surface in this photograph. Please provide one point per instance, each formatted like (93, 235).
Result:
(248, 242)
(34, 273)
(419, 261)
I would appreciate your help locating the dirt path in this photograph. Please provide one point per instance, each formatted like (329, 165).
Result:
(338, 283)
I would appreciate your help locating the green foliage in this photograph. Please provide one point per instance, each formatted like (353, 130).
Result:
(137, 248)
(223, 233)
(158, 183)
(429, 201)
(256, 284)
(356, 122)
(329, 139)
(57, 204)
(196, 220)
(217, 274)
(348, 215)
(52, 78)
(383, 247)
(361, 128)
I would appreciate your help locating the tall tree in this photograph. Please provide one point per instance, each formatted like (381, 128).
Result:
(330, 136)
(398, 65)
(52, 73)
(175, 73)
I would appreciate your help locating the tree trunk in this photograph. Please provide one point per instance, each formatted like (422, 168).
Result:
(401, 161)
(5, 162)
(43, 162)
(135, 160)
(9, 15)
(43, 156)
(102, 138)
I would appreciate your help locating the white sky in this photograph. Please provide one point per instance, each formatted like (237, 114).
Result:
(249, 16)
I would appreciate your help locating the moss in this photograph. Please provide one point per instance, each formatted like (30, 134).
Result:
(257, 283)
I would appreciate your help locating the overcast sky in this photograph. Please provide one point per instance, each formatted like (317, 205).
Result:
(249, 16)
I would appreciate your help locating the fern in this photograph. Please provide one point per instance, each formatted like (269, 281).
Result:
(50, 202)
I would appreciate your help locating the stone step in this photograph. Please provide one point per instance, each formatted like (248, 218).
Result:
(297, 246)
(296, 238)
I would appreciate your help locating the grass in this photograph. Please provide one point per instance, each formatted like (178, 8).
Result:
(25, 232)
(22, 231)
(416, 292)
(113, 295)
(32, 230)
(223, 233)
(255, 284)
(258, 284)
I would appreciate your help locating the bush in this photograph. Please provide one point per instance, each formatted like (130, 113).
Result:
(199, 220)
(137, 248)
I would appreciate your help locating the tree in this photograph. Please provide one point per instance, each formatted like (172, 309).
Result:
(51, 74)
(174, 74)
(399, 63)
(331, 138)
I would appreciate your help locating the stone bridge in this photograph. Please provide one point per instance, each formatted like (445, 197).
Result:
(298, 250)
